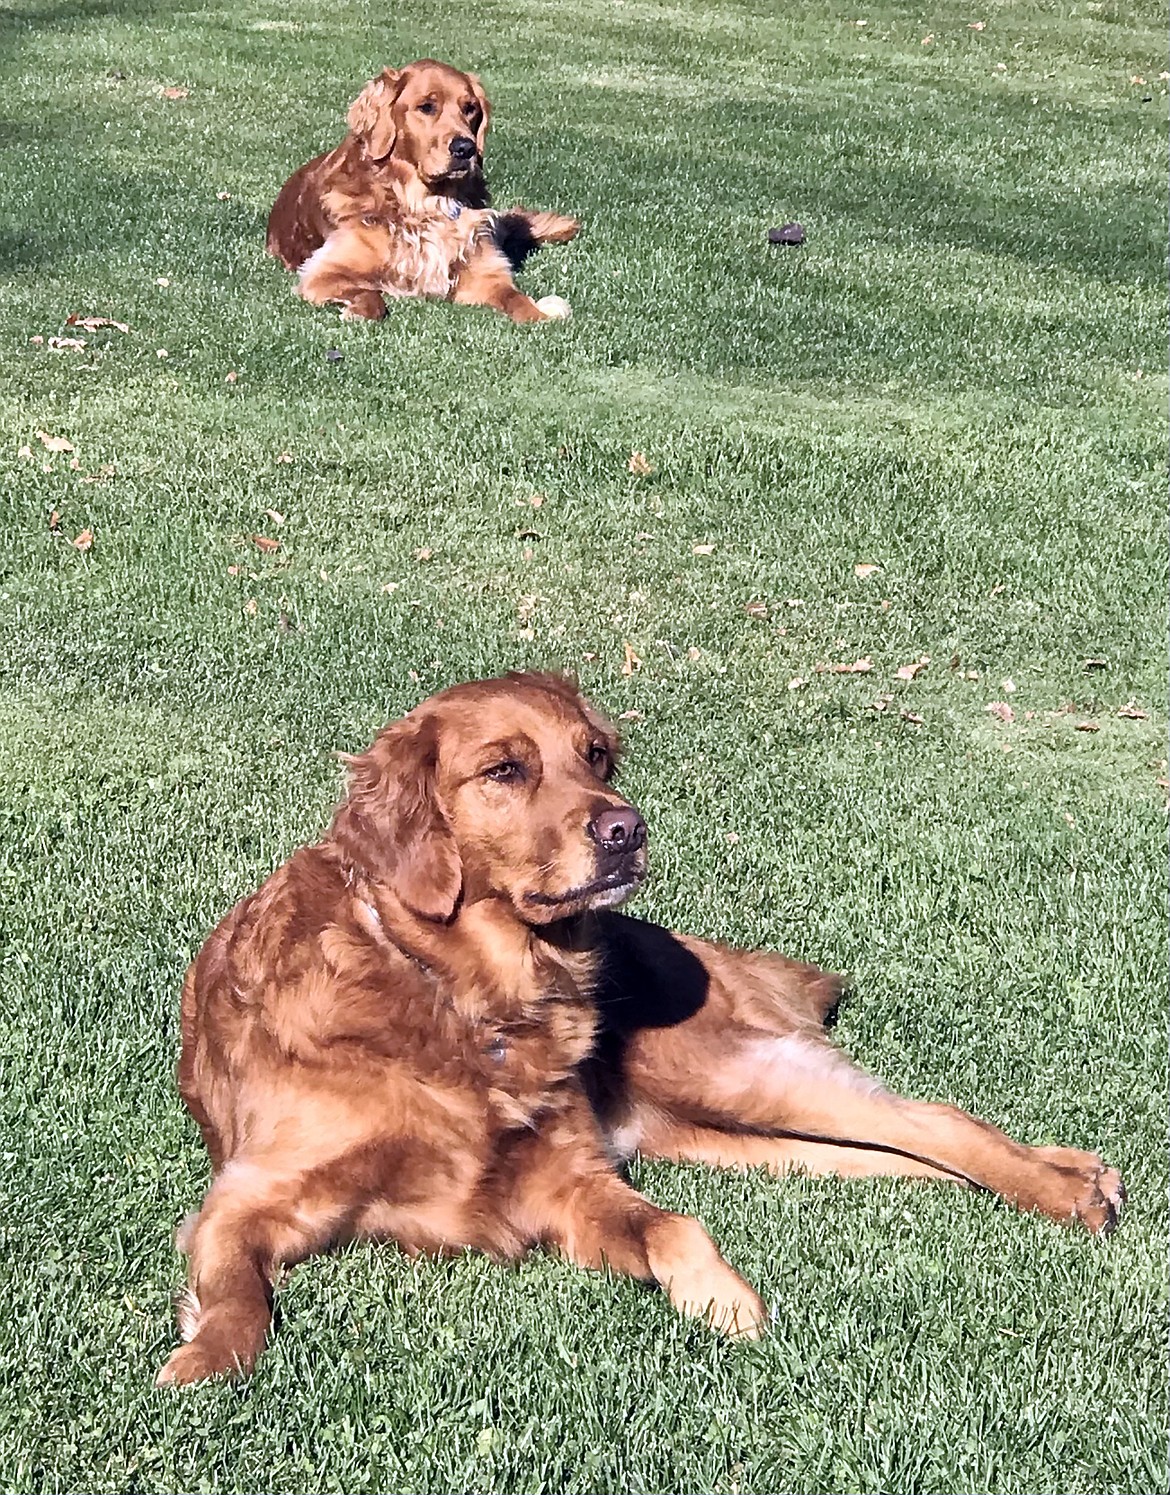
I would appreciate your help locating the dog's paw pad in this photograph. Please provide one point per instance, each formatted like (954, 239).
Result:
(555, 308)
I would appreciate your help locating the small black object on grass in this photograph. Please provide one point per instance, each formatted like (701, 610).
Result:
(790, 233)
(334, 355)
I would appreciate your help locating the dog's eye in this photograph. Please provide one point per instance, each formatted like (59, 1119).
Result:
(598, 757)
(508, 772)
(428, 106)
(470, 109)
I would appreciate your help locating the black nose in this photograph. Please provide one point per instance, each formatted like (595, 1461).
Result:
(619, 830)
(463, 148)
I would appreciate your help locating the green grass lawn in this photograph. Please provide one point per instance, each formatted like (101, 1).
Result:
(960, 378)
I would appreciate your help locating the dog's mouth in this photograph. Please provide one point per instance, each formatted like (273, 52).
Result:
(603, 892)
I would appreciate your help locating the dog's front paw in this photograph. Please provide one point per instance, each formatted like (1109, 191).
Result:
(555, 308)
(198, 1361)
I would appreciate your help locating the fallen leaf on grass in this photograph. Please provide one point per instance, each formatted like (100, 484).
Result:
(858, 667)
(1086, 727)
(66, 344)
(223, 197)
(105, 471)
(175, 93)
(976, 25)
(630, 716)
(1132, 710)
(702, 549)
(55, 521)
(1002, 710)
(233, 570)
(230, 377)
(913, 718)
(865, 569)
(423, 553)
(265, 543)
(54, 443)
(250, 607)
(84, 540)
(756, 609)
(914, 669)
(24, 452)
(639, 466)
(1095, 664)
(91, 324)
(881, 703)
(284, 458)
(274, 516)
(694, 655)
(631, 662)
(928, 40)
(1000, 586)
(798, 682)
(1008, 686)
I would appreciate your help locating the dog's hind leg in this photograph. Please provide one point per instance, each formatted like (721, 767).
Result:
(803, 1088)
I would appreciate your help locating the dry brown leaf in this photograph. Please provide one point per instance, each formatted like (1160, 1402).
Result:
(251, 607)
(694, 655)
(233, 570)
(928, 40)
(55, 521)
(865, 569)
(284, 458)
(84, 540)
(161, 353)
(858, 667)
(630, 716)
(702, 549)
(67, 344)
(882, 702)
(274, 516)
(54, 443)
(265, 543)
(1133, 711)
(230, 377)
(1008, 686)
(914, 669)
(756, 609)
(423, 553)
(631, 662)
(913, 718)
(24, 452)
(1137, 81)
(798, 682)
(1002, 710)
(999, 587)
(223, 197)
(175, 93)
(91, 324)
(1086, 727)
(536, 500)
(976, 25)
(36, 341)
(639, 466)
(1095, 664)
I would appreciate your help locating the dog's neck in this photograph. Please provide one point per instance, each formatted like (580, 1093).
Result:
(495, 966)
(402, 181)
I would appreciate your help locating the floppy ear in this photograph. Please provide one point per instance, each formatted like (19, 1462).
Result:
(485, 111)
(392, 827)
(370, 115)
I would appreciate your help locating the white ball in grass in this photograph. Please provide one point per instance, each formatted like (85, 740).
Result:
(556, 308)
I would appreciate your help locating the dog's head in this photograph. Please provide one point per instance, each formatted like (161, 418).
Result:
(498, 789)
(426, 117)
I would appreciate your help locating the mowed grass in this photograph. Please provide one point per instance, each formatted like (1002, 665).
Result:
(959, 379)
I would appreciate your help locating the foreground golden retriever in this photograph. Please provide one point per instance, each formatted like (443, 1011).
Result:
(431, 1028)
(400, 207)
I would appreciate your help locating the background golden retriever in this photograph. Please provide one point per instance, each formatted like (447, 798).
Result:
(400, 207)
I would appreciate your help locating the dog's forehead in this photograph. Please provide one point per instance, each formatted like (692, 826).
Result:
(469, 716)
(435, 77)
